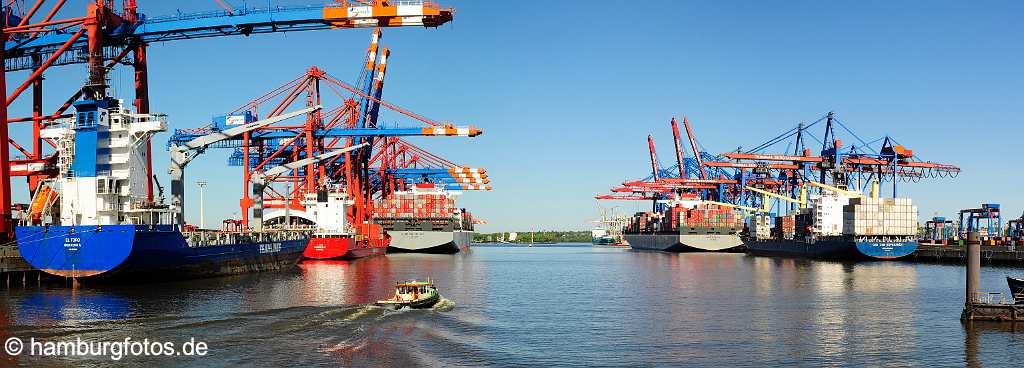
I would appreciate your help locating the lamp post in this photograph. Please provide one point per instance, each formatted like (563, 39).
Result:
(202, 203)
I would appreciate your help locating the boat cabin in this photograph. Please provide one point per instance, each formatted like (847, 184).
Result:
(412, 290)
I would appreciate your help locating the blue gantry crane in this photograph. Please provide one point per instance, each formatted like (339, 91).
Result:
(106, 36)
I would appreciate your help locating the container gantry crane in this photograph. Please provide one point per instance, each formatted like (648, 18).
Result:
(703, 175)
(276, 144)
(105, 37)
(352, 123)
(399, 163)
(836, 168)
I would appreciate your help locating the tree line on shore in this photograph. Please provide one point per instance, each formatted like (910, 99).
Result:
(537, 237)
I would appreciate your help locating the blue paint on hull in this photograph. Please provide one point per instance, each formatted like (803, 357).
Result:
(886, 250)
(142, 251)
(833, 248)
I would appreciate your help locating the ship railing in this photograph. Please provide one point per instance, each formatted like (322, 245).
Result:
(883, 238)
(401, 2)
(289, 227)
(992, 297)
(205, 238)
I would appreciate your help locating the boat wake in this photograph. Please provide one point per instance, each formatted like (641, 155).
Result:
(443, 305)
(347, 335)
(358, 312)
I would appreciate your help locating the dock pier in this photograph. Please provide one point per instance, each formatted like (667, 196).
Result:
(13, 268)
(985, 306)
(11, 261)
(1011, 255)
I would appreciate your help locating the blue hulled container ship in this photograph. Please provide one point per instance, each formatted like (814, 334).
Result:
(837, 227)
(153, 252)
(97, 219)
(836, 248)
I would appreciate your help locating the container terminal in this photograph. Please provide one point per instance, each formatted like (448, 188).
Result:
(688, 212)
(339, 184)
(827, 206)
(945, 240)
(345, 197)
(793, 203)
(316, 168)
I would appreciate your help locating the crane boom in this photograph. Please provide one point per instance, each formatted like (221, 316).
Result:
(679, 149)
(696, 151)
(226, 134)
(768, 157)
(259, 180)
(281, 169)
(624, 197)
(750, 165)
(243, 22)
(801, 201)
(180, 157)
(654, 157)
(753, 209)
(834, 189)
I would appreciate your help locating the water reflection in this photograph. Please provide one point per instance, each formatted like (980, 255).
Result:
(549, 306)
(343, 282)
(53, 307)
(979, 333)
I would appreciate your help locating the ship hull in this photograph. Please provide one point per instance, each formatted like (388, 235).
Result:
(685, 242)
(442, 242)
(342, 248)
(141, 252)
(833, 249)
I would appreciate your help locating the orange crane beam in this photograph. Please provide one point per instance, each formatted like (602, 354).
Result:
(765, 157)
(654, 157)
(913, 164)
(696, 151)
(750, 165)
(679, 149)
(624, 198)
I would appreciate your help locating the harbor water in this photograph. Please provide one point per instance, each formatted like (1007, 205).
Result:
(553, 305)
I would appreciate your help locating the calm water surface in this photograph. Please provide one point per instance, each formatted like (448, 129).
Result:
(541, 306)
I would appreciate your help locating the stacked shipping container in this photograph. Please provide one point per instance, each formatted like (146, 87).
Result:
(424, 203)
(415, 204)
(880, 216)
(760, 227)
(672, 219)
(785, 227)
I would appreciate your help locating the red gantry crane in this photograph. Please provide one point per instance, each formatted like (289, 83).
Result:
(695, 177)
(106, 36)
(375, 169)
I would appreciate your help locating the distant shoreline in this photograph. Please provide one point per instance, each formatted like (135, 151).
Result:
(536, 237)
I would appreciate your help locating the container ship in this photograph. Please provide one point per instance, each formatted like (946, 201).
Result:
(424, 219)
(102, 223)
(334, 237)
(686, 225)
(839, 228)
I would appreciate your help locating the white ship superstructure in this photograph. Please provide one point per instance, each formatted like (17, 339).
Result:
(102, 163)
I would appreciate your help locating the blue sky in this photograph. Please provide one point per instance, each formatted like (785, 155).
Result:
(567, 91)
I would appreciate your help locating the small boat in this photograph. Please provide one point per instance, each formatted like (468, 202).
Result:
(413, 294)
(1016, 289)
